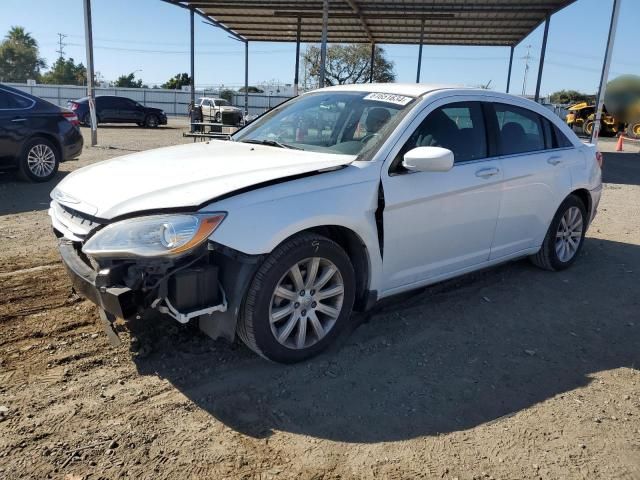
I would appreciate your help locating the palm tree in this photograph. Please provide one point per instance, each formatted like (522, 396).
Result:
(18, 36)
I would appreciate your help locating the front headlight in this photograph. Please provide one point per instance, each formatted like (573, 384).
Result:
(153, 236)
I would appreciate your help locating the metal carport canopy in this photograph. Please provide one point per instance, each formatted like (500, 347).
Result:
(446, 22)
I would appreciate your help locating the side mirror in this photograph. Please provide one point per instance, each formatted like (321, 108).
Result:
(428, 159)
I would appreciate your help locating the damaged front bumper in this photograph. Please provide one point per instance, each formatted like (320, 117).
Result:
(207, 285)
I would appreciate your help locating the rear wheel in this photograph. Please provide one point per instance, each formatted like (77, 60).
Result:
(633, 130)
(587, 127)
(299, 301)
(39, 161)
(565, 236)
(86, 120)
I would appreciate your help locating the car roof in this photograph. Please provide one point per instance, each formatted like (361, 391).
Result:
(409, 89)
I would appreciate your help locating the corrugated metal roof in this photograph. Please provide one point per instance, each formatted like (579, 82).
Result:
(447, 22)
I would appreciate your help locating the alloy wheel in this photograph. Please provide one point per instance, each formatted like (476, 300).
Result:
(569, 234)
(41, 160)
(306, 303)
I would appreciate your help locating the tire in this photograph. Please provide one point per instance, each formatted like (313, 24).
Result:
(217, 118)
(39, 160)
(633, 129)
(587, 128)
(551, 255)
(151, 121)
(305, 313)
(86, 120)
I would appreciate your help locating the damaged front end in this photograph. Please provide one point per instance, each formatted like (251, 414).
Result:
(166, 263)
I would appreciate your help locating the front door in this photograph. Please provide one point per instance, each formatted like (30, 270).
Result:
(439, 223)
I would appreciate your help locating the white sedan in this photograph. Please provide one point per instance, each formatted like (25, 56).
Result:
(326, 204)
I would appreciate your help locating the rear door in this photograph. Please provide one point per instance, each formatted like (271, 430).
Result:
(536, 177)
(440, 223)
(15, 122)
(107, 109)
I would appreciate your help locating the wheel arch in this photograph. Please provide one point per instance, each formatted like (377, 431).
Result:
(585, 197)
(47, 136)
(357, 252)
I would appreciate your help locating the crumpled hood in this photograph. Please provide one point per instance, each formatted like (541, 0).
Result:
(182, 176)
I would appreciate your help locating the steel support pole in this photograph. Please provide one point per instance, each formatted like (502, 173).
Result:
(372, 62)
(246, 78)
(91, 93)
(604, 77)
(420, 52)
(323, 45)
(192, 80)
(296, 77)
(543, 51)
(510, 65)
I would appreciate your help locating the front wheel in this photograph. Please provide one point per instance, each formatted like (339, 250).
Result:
(299, 300)
(151, 121)
(565, 236)
(218, 117)
(633, 130)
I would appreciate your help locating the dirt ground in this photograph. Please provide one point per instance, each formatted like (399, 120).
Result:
(512, 373)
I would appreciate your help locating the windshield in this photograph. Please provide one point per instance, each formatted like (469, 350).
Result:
(329, 122)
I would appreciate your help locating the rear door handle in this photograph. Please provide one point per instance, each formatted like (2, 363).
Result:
(555, 160)
(487, 172)
(16, 120)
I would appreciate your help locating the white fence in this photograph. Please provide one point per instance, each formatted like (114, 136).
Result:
(173, 102)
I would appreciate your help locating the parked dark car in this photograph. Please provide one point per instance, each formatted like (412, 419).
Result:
(111, 109)
(35, 135)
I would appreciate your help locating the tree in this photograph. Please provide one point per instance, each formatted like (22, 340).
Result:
(66, 72)
(128, 81)
(227, 95)
(570, 96)
(19, 58)
(349, 63)
(251, 89)
(178, 81)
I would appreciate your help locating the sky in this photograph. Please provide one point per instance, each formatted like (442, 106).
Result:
(151, 38)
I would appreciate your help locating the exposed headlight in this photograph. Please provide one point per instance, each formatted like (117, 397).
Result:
(153, 236)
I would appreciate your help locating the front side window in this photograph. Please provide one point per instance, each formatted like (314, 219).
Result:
(458, 127)
(348, 123)
(222, 103)
(519, 130)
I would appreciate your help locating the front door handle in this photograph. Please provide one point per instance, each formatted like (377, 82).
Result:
(487, 172)
(555, 160)
(16, 120)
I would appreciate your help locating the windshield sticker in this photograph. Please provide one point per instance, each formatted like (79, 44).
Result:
(389, 98)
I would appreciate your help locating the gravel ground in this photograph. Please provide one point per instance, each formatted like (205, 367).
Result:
(511, 373)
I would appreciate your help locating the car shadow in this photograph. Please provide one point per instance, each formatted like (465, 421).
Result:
(622, 168)
(19, 196)
(446, 358)
(126, 126)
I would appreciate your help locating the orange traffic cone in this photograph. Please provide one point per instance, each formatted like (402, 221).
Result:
(619, 145)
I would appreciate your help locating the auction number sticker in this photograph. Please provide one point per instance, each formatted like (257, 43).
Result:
(389, 98)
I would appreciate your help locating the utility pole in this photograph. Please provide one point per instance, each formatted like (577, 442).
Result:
(526, 70)
(61, 44)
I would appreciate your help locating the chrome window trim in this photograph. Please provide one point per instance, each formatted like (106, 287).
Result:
(33, 102)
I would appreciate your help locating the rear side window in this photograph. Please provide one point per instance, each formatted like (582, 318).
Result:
(560, 139)
(458, 127)
(519, 130)
(10, 101)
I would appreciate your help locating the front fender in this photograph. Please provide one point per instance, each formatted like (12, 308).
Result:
(258, 221)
